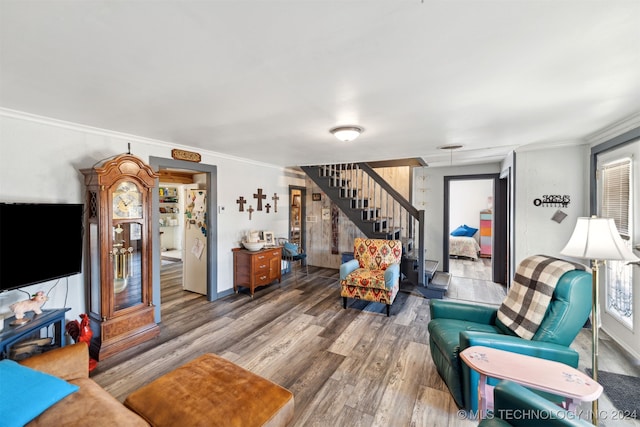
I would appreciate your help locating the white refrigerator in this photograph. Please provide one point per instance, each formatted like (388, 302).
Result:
(194, 260)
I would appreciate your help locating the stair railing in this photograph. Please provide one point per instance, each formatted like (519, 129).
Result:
(382, 207)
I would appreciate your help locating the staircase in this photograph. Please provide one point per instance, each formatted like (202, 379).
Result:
(379, 211)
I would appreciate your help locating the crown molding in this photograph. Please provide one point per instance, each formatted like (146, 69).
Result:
(48, 121)
(549, 145)
(618, 128)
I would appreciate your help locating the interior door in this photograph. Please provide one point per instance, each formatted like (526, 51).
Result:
(297, 207)
(620, 285)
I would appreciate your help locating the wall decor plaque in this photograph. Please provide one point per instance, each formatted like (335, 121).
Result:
(553, 200)
(189, 156)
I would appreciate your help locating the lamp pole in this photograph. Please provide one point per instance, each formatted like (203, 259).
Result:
(598, 240)
(595, 315)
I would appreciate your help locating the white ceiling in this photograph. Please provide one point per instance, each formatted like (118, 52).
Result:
(266, 80)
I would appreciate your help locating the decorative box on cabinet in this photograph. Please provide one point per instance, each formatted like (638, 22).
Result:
(486, 223)
(256, 268)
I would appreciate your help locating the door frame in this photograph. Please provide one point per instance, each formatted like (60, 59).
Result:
(158, 163)
(303, 213)
(499, 243)
(618, 332)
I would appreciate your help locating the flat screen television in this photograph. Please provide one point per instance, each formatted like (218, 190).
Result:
(39, 242)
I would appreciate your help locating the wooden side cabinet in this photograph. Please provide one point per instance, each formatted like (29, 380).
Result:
(486, 232)
(256, 268)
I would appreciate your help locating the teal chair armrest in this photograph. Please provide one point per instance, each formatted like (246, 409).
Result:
(348, 267)
(543, 350)
(391, 275)
(521, 407)
(445, 309)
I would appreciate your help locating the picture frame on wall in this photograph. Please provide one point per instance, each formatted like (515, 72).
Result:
(268, 238)
(316, 197)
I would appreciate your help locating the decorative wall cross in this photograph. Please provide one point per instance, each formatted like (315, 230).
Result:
(267, 207)
(250, 210)
(260, 197)
(241, 201)
(275, 199)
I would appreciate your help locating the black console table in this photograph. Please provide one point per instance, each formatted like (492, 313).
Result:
(11, 335)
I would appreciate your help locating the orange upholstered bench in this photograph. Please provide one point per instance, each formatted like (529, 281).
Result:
(212, 391)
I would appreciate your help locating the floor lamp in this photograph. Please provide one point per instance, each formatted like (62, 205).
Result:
(598, 240)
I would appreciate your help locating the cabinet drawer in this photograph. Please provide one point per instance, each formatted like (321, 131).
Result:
(261, 267)
(258, 260)
(262, 278)
(275, 253)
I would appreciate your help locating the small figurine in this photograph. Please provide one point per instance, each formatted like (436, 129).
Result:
(81, 332)
(33, 304)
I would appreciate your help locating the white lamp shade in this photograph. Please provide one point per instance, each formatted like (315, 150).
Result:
(598, 238)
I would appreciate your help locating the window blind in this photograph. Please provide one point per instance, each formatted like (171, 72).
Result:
(615, 194)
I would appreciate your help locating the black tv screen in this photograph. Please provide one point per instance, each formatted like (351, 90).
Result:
(39, 242)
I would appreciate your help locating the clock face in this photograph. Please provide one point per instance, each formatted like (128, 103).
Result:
(127, 201)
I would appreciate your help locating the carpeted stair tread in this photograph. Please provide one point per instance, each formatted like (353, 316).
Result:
(440, 281)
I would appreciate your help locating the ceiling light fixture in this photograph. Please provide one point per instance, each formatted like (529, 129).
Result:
(451, 147)
(346, 133)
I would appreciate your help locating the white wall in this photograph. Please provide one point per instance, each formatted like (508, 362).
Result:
(562, 171)
(554, 170)
(40, 160)
(429, 195)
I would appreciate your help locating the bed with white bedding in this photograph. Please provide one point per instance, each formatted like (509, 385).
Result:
(464, 246)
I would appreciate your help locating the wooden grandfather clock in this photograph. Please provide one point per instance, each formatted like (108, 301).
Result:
(118, 266)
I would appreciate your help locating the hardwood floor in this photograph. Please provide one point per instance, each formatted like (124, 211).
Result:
(352, 367)
(471, 282)
(479, 269)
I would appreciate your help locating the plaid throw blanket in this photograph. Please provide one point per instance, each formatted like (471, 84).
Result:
(530, 293)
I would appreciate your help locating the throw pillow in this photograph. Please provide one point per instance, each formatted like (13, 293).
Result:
(290, 249)
(27, 393)
(460, 231)
(470, 230)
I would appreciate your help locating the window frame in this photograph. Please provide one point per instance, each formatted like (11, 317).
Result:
(616, 202)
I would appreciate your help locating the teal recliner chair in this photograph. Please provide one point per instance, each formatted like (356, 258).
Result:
(455, 326)
(517, 406)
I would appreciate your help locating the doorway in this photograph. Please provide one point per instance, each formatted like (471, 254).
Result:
(208, 178)
(616, 194)
(477, 202)
(297, 211)
(171, 198)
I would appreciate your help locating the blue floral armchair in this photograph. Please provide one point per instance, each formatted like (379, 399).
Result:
(374, 273)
